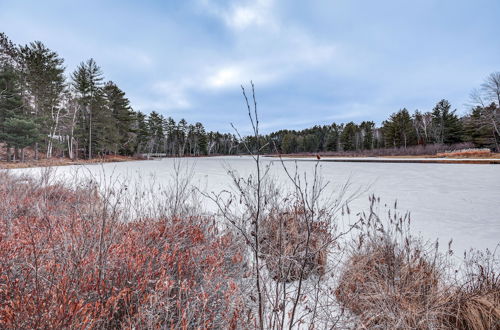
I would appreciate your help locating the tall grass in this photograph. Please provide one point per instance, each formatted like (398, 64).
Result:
(392, 279)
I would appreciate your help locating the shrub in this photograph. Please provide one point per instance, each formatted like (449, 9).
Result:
(285, 247)
(68, 262)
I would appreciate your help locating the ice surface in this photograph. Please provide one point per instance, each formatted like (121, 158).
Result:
(459, 201)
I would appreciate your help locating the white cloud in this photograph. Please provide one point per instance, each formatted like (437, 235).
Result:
(233, 75)
(167, 96)
(224, 77)
(243, 14)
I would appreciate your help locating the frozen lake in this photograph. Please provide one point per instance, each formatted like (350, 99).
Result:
(459, 201)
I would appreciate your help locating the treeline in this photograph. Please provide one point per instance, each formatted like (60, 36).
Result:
(402, 129)
(80, 115)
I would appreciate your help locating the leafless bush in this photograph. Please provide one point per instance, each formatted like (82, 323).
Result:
(283, 245)
(289, 231)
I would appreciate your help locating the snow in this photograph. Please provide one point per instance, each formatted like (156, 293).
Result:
(459, 201)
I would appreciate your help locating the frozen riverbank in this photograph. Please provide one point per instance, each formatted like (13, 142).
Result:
(458, 202)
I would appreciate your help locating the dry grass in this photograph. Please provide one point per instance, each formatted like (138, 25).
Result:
(285, 247)
(467, 153)
(65, 161)
(391, 280)
(475, 303)
(389, 287)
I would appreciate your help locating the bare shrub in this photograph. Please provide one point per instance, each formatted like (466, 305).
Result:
(283, 245)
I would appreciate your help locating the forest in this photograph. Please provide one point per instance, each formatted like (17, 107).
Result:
(81, 115)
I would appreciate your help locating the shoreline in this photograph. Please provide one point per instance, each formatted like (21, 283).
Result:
(426, 159)
(65, 162)
(398, 160)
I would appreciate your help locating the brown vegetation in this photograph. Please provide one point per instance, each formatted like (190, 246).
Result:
(283, 245)
(467, 153)
(44, 162)
(68, 262)
(476, 303)
(428, 150)
(393, 281)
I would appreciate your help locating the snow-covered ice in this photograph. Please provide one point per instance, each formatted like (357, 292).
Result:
(459, 201)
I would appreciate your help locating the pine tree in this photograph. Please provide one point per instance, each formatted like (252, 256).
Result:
(87, 81)
(447, 126)
(348, 136)
(43, 77)
(122, 120)
(289, 144)
(398, 130)
(142, 132)
(367, 128)
(19, 132)
(11, 104)
(155, 127)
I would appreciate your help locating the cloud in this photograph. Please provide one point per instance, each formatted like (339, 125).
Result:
(233, 75)
(244, 14)
(166, 95)
(225, 77)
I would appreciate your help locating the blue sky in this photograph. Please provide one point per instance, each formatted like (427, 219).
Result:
(313, 62)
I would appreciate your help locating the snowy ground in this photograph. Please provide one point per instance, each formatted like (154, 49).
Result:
(459, 201)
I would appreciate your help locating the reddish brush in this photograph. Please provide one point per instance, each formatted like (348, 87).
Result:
(466, 153)
(63, 267)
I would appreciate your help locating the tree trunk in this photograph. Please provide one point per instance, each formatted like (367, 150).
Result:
(90, 133)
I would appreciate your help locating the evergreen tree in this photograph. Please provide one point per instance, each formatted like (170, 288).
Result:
(447, 126)
(289, 144)
(43, 77)
(19, 133)
(348, 136)
(11, 105)
(367, 128)
(333, 139)
(122, 119)
(155, 127)
(142, 132)
(87, 81)
(398, 130)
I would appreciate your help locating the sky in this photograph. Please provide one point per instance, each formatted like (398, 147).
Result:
(313, 62)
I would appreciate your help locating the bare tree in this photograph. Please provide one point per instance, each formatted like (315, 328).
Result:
(487, 100)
